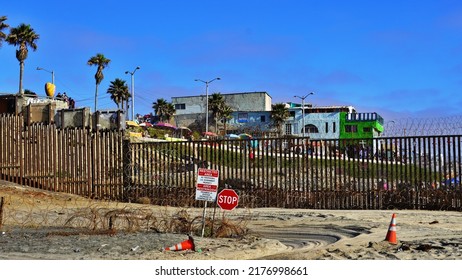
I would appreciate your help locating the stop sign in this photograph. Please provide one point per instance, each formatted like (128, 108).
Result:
(227, 199)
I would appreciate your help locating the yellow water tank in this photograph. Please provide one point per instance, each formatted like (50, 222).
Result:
(50, 89)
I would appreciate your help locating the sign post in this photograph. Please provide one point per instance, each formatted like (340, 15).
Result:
(206, 188)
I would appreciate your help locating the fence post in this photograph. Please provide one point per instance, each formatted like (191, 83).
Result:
(1, 212)
(127, 170)
(22, 147)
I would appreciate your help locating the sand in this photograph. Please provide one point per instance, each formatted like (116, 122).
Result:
(271, 234)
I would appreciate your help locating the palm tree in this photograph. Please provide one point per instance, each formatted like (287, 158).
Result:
(279, 114)
(119, 92)
(160, 108)
(22, 36)
(102, 62)
(3, 25)
(216, 104)
(225, 115)
(164, 110)
(169, 111)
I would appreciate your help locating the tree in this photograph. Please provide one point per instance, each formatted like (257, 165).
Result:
(279, 114)
(169, 112)
(30, 93)
(3, 25)
(119, 92)
(101, 62)
(216, 105)
(225, 115)
(22, 36)
(164, 110)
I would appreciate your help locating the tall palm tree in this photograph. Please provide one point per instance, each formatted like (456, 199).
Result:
(3, 25)
(216, 103)
(119, 92)
(279, 114)
(101, 62)
(22, 36)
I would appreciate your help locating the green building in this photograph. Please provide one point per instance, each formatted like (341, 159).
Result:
(360, 125)
(363, 127)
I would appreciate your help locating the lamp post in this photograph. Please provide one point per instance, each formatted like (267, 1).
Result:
(303, 110)
(133, 89)
(52, 74)
(207, 101)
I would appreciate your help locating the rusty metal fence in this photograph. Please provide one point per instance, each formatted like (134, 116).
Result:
(383, 173)
(77, 161)
(290, 172)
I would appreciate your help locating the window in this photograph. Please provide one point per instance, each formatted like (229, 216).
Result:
(242, 118)
(181, 106)
(327, 127)
(351, 128)
(288, 129)
(311, 129)
(262, 118)
(333, 127)
(367, 129)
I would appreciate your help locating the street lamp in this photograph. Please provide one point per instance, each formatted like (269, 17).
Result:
(52, 74)
(303, 109)
(207, 101)
(133, 90)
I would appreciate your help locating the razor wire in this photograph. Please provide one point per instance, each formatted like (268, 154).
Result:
(451, 125)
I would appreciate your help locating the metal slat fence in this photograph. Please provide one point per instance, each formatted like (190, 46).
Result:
(77, 161)
(292, 172)
(383, 173)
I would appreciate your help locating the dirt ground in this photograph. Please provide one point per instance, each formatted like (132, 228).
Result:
(43, 225)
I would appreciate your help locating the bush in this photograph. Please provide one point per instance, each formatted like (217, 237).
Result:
(144, 200)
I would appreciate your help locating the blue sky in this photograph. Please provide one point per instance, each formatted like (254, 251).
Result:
(398, 58)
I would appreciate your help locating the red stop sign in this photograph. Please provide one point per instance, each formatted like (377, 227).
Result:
(227, 199)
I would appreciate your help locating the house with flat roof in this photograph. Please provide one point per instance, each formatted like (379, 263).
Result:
(192, 109)
(320, 122)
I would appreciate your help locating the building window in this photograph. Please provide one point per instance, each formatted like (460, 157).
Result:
(242, 118)
(288, 129)
(262, 118)
(327, 127)
(333, 127)
(367, 129)
(181, 106)
(351, 128)
(311, 129)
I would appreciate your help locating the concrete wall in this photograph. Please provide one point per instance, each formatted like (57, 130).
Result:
(251, 101)
(247, 101)
(193, 104)
(187, 120)
(249, 120)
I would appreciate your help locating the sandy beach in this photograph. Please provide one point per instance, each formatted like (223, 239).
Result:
(34, 228)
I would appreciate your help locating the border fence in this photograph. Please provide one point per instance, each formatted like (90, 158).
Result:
(414, 172)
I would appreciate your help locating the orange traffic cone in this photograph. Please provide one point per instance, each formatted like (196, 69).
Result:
(391, 234)
(185, 245)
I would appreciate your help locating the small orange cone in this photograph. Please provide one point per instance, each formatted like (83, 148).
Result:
(185, 245)
(391, 234)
